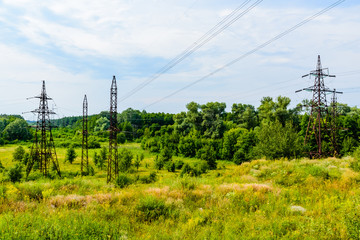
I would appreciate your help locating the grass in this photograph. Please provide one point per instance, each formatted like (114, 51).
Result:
(282, 199)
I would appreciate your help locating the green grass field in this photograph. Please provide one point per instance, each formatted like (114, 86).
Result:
(282, 199)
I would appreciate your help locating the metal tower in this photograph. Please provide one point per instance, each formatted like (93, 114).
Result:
(334, 123)
(84, 151)
(43, 149)
(317, 125)
(112, 172)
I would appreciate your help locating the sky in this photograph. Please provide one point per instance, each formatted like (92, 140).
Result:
(77, 47)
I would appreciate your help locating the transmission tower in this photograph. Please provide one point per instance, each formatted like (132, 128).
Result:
(113, 158)
(334, 123)
(43, 149)
(318, 125)
(84, 151)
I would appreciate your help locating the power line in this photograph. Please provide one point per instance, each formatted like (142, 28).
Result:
(209, 35)
(251, 52)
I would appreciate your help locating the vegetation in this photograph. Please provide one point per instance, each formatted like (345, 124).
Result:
(192, 175)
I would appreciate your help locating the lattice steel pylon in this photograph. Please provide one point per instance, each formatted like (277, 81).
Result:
(43, 149)
(113, 169)
(318, 124)
(85, 134)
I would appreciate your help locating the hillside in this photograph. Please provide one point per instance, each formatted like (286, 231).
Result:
(261, 199)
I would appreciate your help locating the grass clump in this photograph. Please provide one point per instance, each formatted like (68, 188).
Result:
(123, 180)
(151, 208)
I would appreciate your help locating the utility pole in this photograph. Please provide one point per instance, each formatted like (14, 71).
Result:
(43, 148)
(84, 151)
(317, 125)
(113, 169)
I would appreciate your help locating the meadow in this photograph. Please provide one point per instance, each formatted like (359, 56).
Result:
(261, 199)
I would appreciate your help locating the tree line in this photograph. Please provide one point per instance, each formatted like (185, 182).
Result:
(206, 131)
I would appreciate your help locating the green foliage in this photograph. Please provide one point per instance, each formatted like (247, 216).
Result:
(125, 157)
(137, 162)
(121, 138)
(2, 168)
(208, 153)
(149, 179)
(179, 164)
(151, 208)
(170, 166)
(15, 173)
(123, 180)
(102, 124)
(348, 146)
(190, 171)
(275, 141)
(355, 164)
(159, 163)
(70, 155)
(187, 146)
(17, 130)
(96, 158)
(19, 154)
(352, 221)
(93, 143)
(103, 157)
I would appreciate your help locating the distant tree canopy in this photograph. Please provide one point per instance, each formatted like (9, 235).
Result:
(206, 131)
(17, 129)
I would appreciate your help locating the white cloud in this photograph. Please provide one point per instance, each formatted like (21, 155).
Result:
(117, 30)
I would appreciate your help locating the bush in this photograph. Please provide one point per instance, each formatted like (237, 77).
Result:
(355, 164)
(123, 181)
(19, 154)
(151, 208)
(191, 171)
(208, 154)
(1, 167)
(149, 179)
(125, 158)
(121, 138)
(159, 163)
(15, 173)
(179, 164)
(70, 155)
(93, 143)
(170, 166)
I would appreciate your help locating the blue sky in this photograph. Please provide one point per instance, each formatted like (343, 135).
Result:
(77, 46)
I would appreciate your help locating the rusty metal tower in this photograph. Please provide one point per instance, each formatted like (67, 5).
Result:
(319, 114)
(84, 151)
(43, 149)
(112, 172)
(334, 122)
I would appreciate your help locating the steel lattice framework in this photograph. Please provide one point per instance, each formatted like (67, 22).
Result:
(84, 151)
(319, 115)
(43, 149)
(112, 172)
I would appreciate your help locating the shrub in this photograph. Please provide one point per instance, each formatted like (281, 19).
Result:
(208, 154)
(151, 208)
(159, 163)
(125, 157)
(170, 166)
(93, 143)
(19, 154)
(191, 171)
(15, 173)
(121, 138)
(179, 164)
(355, 164)
(70, 155)
(1, 167)
(123, 181)
(149, 179)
